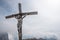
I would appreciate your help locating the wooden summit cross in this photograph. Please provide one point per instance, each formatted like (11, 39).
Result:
(20, 17)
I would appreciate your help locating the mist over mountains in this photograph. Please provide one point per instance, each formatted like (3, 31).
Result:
(43, 37)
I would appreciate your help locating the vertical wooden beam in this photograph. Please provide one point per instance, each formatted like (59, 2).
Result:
(20, 24)
(19, 6)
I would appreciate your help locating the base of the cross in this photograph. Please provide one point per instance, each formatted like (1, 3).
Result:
(20, 36)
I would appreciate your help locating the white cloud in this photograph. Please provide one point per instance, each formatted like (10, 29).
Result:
(11, 37)
(48, 18)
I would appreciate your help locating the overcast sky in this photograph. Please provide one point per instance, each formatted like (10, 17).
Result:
(47, 22)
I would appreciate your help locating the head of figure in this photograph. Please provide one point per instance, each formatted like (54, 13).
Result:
(18, 17)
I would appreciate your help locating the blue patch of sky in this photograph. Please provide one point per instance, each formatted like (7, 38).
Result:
(5, 9)
(5, 6)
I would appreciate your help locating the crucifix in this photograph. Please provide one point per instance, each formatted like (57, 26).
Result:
(20, 17)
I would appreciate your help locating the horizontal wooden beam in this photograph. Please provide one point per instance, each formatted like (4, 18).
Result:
(27, 13)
